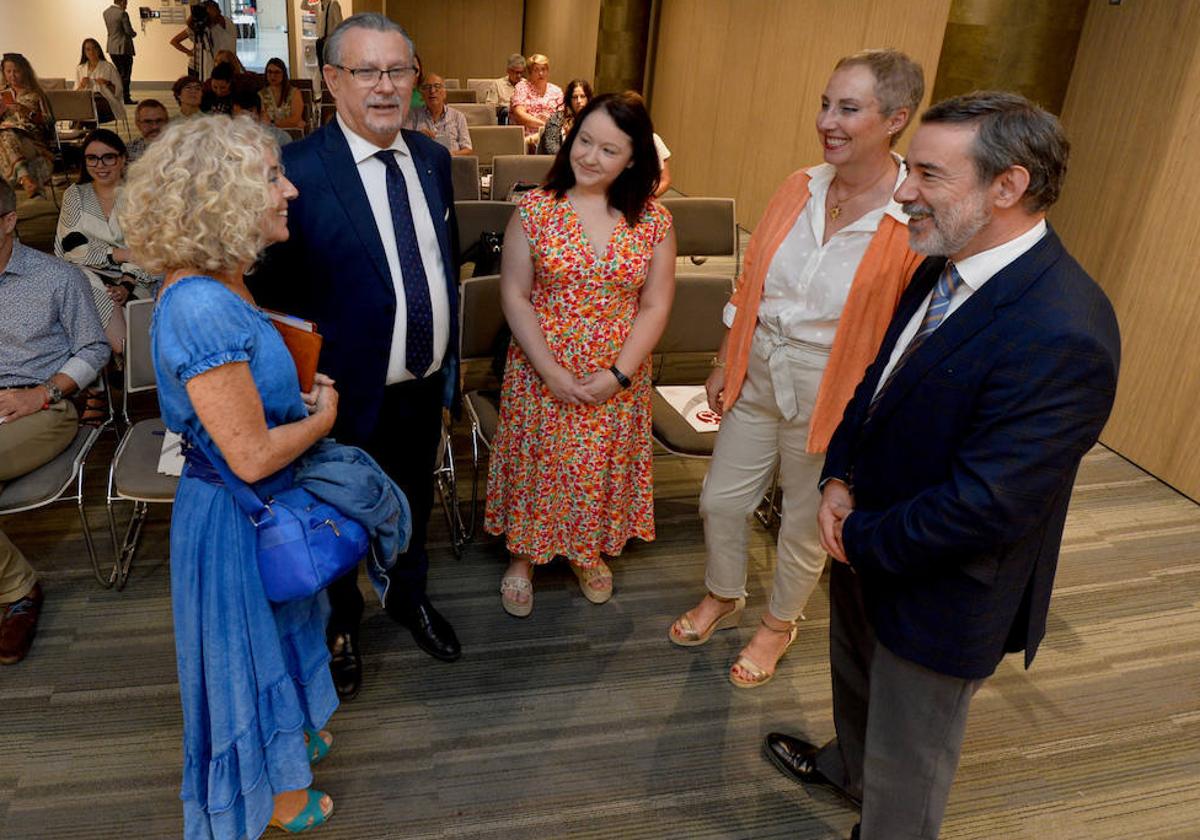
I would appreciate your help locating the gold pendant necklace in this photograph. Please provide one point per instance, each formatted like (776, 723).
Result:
(836, 209)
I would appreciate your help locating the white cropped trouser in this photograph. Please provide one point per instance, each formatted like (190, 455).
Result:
(768, 425)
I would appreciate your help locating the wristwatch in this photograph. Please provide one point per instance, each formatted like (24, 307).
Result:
(53, 392)
(622, 379)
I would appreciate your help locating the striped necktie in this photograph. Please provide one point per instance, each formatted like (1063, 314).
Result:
(939, 305)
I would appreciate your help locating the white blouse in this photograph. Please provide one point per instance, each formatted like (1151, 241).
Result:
(105, 71)
(807, 283)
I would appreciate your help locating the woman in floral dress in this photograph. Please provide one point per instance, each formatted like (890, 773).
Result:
(587, 300)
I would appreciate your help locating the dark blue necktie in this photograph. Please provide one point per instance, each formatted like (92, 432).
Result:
(418, 347)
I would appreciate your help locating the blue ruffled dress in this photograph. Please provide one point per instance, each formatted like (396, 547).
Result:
(252, 674)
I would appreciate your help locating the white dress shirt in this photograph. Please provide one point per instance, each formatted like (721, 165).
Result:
(373, 173)
(807, 282)
(975, 270)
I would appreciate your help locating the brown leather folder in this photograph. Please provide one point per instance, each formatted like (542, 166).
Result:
(303, 342)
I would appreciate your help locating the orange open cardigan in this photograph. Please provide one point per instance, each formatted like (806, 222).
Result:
(885, 270)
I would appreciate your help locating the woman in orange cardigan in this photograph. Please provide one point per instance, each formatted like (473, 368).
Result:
(823, 274)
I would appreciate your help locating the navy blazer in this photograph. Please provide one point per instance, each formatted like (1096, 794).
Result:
(963, 472)
(333, 270)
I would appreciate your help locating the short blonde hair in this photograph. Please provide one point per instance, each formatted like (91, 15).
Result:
(537, 58)
(196, 197)
(899, 81)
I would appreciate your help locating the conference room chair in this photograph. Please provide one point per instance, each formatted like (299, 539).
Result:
(328, 112)
(682, 356)
(53, 83)
(510, 170)
(133, 475)
(476, 217)
(491, 140)
(705, 227)
(456, 95)
(451, 84)
(477, 113)
(62, 480)
(464, 176)
(481, 325)
(481, 87)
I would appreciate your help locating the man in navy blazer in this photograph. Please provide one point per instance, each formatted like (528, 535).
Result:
(372, 260)
(945, 487)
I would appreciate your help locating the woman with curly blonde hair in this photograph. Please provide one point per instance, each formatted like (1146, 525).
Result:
(202, 203)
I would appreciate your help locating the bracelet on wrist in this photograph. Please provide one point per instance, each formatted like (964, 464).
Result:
(717, 362)
(622, 379)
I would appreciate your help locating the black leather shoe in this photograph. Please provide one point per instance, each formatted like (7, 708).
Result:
(432, 633)
(797, 760)
(855, 831)
(346, 665)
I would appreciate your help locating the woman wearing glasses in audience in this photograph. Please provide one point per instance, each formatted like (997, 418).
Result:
(201, 205)
(535, 99)
(99, 75)
(25, 155)
(824, 272)
(189, 93)
(577, 95)
(586, 283)
(282, 103)
(89, 233)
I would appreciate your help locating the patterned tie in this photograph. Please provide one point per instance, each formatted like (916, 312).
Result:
(418, 349)
(939, 305)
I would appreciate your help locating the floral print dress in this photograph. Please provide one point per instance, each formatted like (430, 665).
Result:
(576, 480)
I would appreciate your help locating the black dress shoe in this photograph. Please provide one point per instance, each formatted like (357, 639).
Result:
(432, 633)
(797, 760)
(854, 832)
(346, 665)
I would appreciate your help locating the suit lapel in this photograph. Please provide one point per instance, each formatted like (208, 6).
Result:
(347, 185)
(976, 313)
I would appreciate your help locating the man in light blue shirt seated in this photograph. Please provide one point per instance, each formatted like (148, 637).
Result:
(438, 121)
(51, 345)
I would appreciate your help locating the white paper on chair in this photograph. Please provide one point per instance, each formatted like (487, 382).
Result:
(170, 459)
(691, 402)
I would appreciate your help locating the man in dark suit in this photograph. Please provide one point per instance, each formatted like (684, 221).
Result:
(371, 259)
(120, 43)
(945, 487)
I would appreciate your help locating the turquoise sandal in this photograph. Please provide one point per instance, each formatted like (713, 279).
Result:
(317, 746)
(311, 817)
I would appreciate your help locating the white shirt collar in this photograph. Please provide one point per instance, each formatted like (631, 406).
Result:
(361, 148)
(977, 269)
(821, 176)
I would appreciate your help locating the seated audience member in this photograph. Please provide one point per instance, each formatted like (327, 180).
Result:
(51, 343)
(96, 73)
(282, 103)
(578, 94)
(151, 118)
(500, 94)
(664, 180)
(25, 155)
(90, 236)
(436, 120)
(535, 99)
(248, 103)
(188, 93)
(243, 79)
(218, 99)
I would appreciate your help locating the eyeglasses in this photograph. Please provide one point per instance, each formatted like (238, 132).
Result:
(432, 87)
(151, 121)
(373, 75)
(107, 159)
